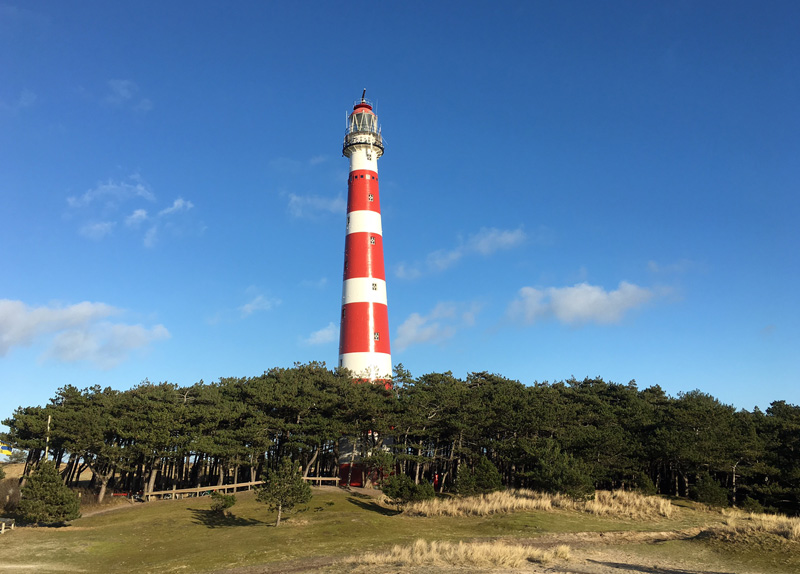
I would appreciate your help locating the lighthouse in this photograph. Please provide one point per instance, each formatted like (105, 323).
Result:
(364, 331)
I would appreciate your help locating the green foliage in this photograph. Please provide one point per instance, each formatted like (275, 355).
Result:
(284, 488)
(2, 473)
(644, 484)
(481, 479)
(45, 499)
(222, 502)
(709, 491)
(751, 505)
(379, 464)
(556, 471)
(400, 490)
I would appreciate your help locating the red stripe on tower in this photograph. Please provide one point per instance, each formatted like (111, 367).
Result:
(364, 332)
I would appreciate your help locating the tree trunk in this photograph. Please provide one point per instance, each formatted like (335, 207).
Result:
(311, 462)
(278, 521)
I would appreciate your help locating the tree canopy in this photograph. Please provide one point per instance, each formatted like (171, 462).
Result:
(571, 436)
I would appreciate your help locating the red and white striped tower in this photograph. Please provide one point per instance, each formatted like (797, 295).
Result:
(364, 332)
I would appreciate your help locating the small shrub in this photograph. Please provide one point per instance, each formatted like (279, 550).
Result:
(400, 490)
(2, 473)
(222, 502)
(482, 479)
(709, 491)
(557, 471)
(46, 499)
(751, 505)
(644, 485)
(9, 495)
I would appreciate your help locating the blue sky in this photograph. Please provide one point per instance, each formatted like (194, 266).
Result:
(569, 189)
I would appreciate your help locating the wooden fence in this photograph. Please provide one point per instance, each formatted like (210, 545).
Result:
(204, 490)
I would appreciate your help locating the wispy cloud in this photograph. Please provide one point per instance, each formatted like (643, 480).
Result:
(580, 304)
(258, 303)
(441, 324)
(136, 218)
(97, 231)
(79, 332)
(125, 93)
(179, 204)
(485, 242)
(309, 205)
(105, 200)
(324, 336)
(112, 193)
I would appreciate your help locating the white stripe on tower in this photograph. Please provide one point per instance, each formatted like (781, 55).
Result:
(364, 332)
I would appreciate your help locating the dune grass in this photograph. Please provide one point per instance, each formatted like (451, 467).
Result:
(617, 504)
(464, 554)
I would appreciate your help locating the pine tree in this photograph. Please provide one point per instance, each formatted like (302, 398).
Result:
(46, 499)
(284, 488)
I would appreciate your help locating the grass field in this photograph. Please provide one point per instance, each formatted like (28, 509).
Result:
(186, 536)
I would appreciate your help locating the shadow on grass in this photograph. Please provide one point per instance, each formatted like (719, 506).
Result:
(373, 506)
(654, 570)
(213, 519)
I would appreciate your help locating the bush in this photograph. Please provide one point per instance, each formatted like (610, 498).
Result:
(9, 495)
(2, 473)
(400, 490)
(751, 505)
(709, 491)
(46, 499)
(644, 485)
(222, 502)
(482, 479)
(556, 471)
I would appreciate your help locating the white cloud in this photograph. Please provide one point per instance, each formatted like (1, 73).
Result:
(582, 303)
(105, 345)
(98, 230)
(258, 303)
(325, 335)
(301, 206)
(487, 241)
(151, 236)
(79, 332)
(136, 218)
(179, 204)
(441, 324)
(113, 193)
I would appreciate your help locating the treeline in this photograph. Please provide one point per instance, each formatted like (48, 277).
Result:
(570, 436)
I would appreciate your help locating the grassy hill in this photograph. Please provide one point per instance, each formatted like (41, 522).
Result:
(186, 536)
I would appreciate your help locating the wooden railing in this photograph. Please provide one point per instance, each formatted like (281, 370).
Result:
(203, 490)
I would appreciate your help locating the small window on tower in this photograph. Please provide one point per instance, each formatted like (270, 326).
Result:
(372, 240)
(376, 336)
(370, 197)
(374, 286)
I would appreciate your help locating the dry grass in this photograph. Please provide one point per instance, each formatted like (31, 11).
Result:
(469, 554)
(619, 504)
(738, 522)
